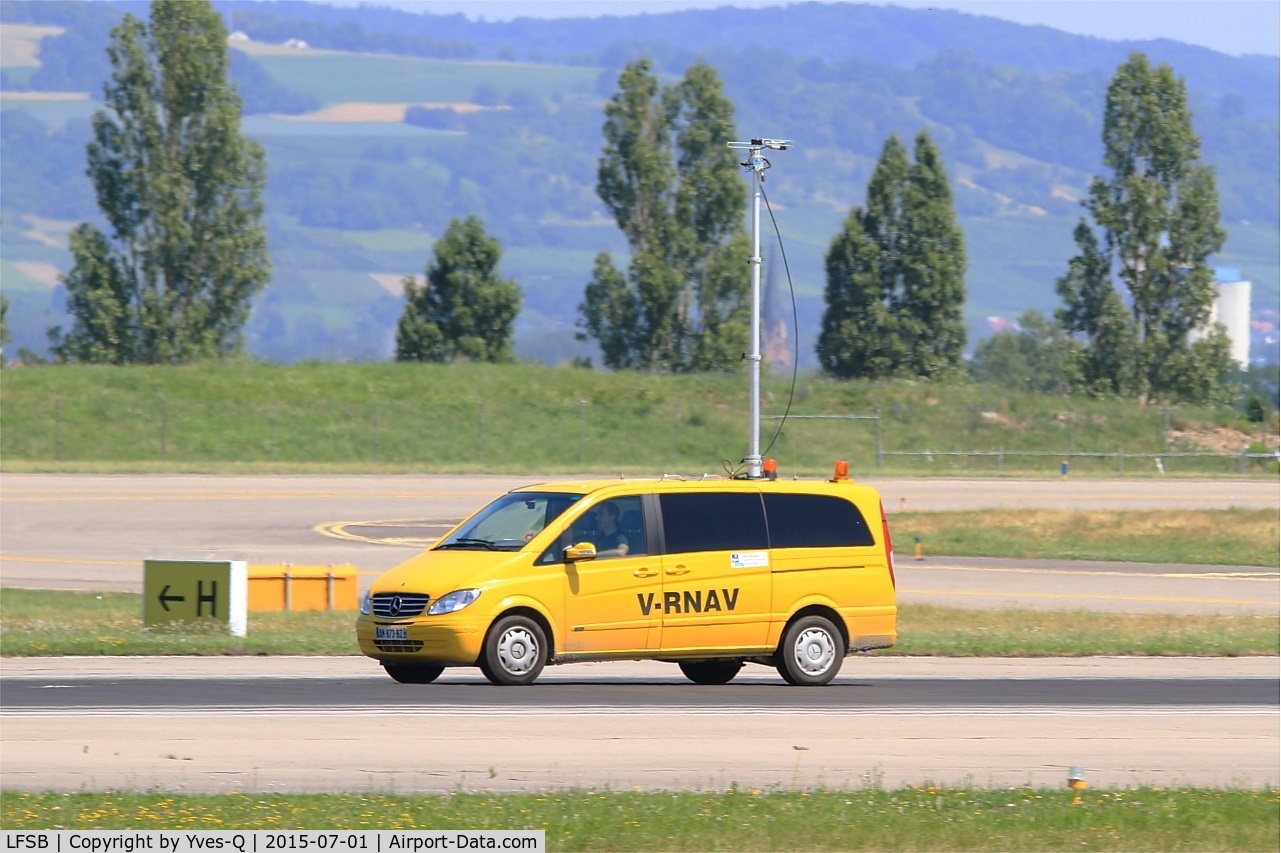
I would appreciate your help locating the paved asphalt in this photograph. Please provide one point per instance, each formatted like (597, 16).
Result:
(469, 690)
(317, 724)
(92, 532)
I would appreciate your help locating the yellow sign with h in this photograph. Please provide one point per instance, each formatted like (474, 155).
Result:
(190, 592)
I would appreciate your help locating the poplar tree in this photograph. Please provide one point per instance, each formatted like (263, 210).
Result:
(674, 189)
(930, 317)
(895, 274)
(859, 336)
(465, 311)
(180, 189)
(1159, 217)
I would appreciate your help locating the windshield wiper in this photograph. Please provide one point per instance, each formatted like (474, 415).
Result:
(471, 543)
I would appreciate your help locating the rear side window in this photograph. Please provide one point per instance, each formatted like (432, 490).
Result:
(815, 521)
(713, 522)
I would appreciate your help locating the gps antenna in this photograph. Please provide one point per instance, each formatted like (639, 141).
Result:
(756, 164)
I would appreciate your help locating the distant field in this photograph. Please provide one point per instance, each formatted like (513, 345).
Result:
(53, 109)
(20, 44)
(275, 132)
(364, 112)
(337, 78)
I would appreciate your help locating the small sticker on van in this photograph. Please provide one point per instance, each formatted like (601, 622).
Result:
(749, 559)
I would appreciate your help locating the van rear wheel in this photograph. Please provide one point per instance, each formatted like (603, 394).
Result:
(515, 651)
(811, 652)
(711, 671)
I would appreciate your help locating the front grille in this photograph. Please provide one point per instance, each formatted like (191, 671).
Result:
(399, 605)
(398, 645)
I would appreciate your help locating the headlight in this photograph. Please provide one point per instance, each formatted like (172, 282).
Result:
(456, 600)
(367, 604)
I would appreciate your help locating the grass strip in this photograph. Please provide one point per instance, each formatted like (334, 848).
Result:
(954, 632)
(530, 418)
(52, 622)
(916, 818)
(1227, 537)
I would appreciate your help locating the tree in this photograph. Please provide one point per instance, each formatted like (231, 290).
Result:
(674, 189)
(181, 190)
(895, 274)
(1094, 312)
(5, 338)
(859, 335)
(931, 318)
(464, 310)
(1159, 216)
(1036, 358)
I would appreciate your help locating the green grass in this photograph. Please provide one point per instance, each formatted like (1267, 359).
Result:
(1230, 537)
(528, 418)
(52, 623)
(953, 632)
(916, 818)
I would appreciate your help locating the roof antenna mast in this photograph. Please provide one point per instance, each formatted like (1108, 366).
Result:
(756, 164)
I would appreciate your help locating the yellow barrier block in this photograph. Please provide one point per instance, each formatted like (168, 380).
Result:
(303, 588)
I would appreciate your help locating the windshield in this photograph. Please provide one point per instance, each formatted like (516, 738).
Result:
(511, 521)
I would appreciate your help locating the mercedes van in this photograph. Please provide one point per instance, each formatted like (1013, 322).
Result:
(707, 574)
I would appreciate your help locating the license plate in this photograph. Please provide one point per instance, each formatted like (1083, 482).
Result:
(381, 633)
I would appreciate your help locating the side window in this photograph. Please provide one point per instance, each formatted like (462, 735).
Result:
(616, 527)
(712, 521)
(814, 521)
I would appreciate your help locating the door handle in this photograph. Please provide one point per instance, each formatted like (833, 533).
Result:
(644, 573)
(677, 570)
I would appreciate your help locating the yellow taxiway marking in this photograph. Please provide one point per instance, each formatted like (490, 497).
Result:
(1067, 595)
(338, 530)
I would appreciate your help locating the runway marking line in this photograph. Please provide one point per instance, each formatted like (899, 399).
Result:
(70, 562)
(9, 497)
(215, 712)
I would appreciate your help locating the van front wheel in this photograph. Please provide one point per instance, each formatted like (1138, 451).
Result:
(515, 651)
(413, 674)
(811, 652)
(711, 671)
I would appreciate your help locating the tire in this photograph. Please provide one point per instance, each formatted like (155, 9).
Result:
(711, 671)
(515, 651)
(811, 652)
(413, 673)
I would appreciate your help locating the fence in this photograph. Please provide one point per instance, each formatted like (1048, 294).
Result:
(586, 437)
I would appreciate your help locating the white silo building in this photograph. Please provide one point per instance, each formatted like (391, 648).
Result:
(1232, 308)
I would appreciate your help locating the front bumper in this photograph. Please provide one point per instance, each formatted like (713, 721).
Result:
(439, 641)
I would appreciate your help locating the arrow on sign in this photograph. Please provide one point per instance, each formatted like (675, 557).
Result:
(165, 599)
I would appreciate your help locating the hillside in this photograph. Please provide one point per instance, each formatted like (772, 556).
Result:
(506, 125)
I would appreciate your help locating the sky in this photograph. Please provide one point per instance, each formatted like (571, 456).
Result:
(1231, 26)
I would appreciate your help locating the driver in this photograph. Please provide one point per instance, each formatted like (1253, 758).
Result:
(609, 539)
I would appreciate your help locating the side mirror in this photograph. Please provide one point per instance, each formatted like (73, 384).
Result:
(579, 552)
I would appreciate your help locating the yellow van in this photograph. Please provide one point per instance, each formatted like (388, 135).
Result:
(708, 574)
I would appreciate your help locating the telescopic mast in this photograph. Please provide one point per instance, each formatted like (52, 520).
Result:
(756, 164)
